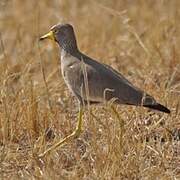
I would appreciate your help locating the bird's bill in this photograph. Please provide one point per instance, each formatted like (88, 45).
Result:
(49, 35)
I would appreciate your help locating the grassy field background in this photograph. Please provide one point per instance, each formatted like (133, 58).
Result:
(141, 39)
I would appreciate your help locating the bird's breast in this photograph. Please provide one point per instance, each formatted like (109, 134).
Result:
(71, 73)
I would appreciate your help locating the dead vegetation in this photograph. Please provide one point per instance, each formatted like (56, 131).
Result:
(139, 38)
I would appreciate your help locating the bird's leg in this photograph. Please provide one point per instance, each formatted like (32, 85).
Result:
(74, 134)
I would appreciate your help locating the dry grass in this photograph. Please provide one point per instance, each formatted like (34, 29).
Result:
(139, 38)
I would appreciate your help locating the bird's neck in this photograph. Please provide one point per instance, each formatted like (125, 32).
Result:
(69, 46)
(66, 52)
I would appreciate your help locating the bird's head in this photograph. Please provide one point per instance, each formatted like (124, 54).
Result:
(64, 35)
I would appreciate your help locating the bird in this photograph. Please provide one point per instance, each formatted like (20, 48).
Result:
(91, 81)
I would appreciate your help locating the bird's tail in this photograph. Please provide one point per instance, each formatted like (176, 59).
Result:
(158, 107)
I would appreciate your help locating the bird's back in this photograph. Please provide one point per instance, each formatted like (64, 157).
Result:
(119, 87)
(98, 82)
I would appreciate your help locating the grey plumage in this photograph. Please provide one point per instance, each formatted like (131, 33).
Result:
(93, 81)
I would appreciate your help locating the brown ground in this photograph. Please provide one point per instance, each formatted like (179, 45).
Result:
(139, 38)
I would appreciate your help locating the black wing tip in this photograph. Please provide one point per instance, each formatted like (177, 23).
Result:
(159, 107)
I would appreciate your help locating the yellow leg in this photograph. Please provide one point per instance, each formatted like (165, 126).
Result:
(74, 134)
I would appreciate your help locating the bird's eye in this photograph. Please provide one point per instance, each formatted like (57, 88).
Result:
(55, 31)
